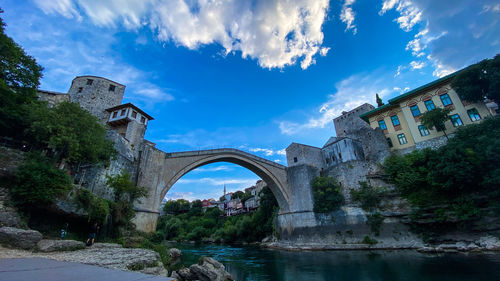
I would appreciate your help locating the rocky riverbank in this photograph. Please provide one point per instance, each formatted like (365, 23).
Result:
(484, 243)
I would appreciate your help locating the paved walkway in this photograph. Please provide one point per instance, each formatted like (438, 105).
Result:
(27, 269)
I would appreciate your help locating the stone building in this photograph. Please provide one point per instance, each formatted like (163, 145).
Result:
(400, 118)
(127, 123)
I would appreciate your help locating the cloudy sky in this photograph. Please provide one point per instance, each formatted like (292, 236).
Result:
(254, 75)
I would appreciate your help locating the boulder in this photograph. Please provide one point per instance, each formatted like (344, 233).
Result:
(20, 238)
(11, 219)
(489, 243)
(183, 274)
(175, 255)
(209, 269)
(47, 245)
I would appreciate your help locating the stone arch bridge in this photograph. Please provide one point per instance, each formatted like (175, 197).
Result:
(158, 171)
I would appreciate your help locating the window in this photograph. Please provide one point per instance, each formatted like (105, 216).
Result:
(134, 114)
(143, 120)
(80, 89)
(123, 112)
(111, 88)
(389, 142)
(382, 125)
(474, 115)
(423, 130)
(115, 113)
(402, 139)
(295, 159)
(340, 156)
(415, 110)
(333, 158)
(430, 105)
(326, 159)
(90, 81)
(455, 120)
(395, 120)
(445, 99)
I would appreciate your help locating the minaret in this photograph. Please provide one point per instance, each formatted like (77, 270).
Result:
(224, 189)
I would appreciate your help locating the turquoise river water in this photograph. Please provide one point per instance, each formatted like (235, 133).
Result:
(254, 263)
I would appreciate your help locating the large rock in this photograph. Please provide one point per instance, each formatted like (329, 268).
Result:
(47, 245)
(20, 238)
(209, 269)
(489, 243)
(175, 255)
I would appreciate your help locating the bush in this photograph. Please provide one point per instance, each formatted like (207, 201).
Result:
(328, 195)
(375, 222)
(461, 177)
(37, 182)
(369, 197)
(368, 240)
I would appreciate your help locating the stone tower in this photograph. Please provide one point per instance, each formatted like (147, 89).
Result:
(96, 94)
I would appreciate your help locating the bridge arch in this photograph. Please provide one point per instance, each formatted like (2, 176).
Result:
(181, 163)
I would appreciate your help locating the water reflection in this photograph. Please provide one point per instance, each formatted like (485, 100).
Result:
(252, 263)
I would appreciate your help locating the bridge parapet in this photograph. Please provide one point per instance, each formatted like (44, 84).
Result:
(222, 151)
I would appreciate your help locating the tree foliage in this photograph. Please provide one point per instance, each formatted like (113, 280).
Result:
(327, 193)
(479, 81)
(176, 207)
(379, 100)
(195, 225)
(38, 182)
(71, 131)
(368, 196)
(436, 118)
(461, 176)
(19, 78)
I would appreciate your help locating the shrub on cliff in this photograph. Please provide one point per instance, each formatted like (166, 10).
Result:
(71, 132)
(461, 176)
(327, 193)
(38, 182)
(368, 196)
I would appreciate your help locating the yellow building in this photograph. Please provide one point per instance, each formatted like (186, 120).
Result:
(400, 118)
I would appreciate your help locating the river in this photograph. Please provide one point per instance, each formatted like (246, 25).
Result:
(254, 263)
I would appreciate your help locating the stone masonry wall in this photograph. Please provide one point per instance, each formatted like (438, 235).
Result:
(97, 96)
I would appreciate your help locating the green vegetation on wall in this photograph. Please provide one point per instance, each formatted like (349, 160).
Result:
(70, 131)
(327, 194)
(37, 182)
(456, 181)
(370, 198)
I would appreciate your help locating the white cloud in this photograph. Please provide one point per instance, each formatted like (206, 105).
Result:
(387, 5)
(351, 92)
(452, 36)
(212, 169)
(417, 65)
(348, 16)
(267, 151)
(235, 182)
(276, 33)
(64, 7)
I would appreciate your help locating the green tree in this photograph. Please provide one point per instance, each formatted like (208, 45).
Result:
(479, 81)
(124, 188)
(19, 79)
(126, 192)
(327, 193)
(462, 177)
(38, 182)
(379, 100)
(74, 133)
(436, 118)
(237, 195)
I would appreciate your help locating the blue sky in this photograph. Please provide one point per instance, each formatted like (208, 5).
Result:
(254, 75)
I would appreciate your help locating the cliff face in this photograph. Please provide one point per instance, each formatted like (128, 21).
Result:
(351, 227)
